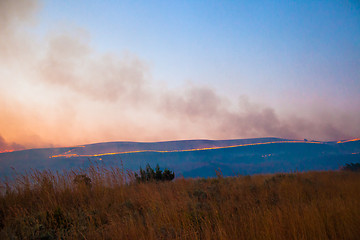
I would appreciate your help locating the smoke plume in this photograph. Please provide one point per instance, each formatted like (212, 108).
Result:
(5, 146)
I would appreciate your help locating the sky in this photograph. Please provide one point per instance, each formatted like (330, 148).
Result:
(78, 72)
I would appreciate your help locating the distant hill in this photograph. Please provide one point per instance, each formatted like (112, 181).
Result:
(192, 158)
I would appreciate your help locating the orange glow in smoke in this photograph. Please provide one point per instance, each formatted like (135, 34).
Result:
(5, 151)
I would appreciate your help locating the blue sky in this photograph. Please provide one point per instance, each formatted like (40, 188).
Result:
(273, 68)
(242, 44)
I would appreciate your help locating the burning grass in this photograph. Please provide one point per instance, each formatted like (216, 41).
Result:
(99, 203)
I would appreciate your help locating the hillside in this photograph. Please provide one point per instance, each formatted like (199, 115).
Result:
(192, 158)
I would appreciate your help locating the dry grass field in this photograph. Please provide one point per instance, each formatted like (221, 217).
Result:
(97, 203)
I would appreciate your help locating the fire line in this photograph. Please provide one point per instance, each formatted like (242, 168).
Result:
(68, 154)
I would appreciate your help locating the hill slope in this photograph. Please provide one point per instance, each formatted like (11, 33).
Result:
(193, 158)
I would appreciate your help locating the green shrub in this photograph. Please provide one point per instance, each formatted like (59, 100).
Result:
(150, 174)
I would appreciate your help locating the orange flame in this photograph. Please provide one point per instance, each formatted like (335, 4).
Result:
(68, 154)
(351, 140)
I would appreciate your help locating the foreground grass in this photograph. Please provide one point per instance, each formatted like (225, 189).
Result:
(313, 205)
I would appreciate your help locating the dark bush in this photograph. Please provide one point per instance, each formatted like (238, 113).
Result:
(150, 174)
(82, 179)
(354, 167)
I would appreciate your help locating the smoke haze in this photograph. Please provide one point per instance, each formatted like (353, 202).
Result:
(59, 91)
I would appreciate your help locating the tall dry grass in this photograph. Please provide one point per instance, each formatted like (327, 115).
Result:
(312, 205)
